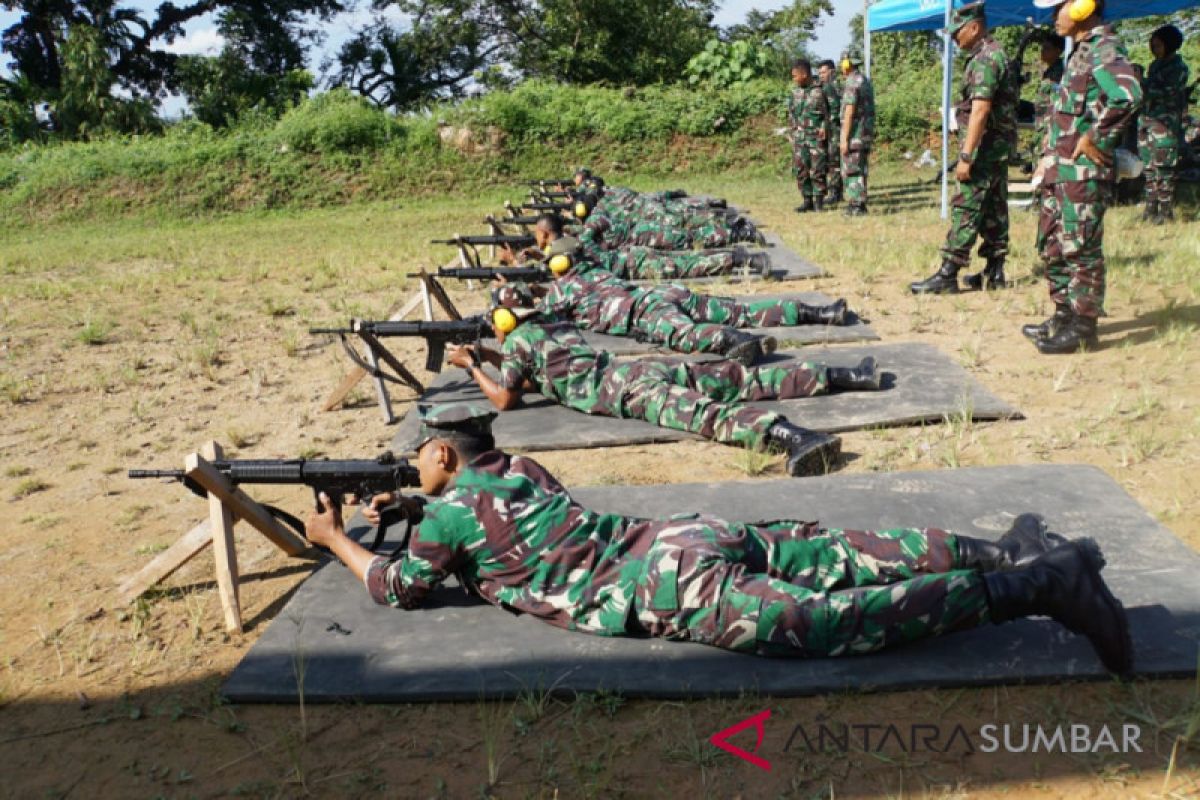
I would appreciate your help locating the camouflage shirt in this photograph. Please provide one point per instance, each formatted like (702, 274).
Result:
(1166, 91)
(833, 98)
(1098, 97)
(594, 299)
(808, 110)
(1047, 90)
(513, 534)
(986, 77)
(553, 356)
(858, 92)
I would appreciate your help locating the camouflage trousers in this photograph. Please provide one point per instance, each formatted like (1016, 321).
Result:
(646, 263)
(979, 210)
(714, 233)
(1158, 147)
(833, 167)
(790, 588)
(704, 398)
(1071, 243)
(765, 313)
(809, 166)
(855, 169)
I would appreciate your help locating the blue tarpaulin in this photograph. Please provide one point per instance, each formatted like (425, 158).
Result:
(924, 15)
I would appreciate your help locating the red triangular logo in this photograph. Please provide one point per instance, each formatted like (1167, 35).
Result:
(721, 739)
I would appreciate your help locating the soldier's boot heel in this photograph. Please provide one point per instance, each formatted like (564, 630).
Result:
(818, 203)
(863, 378)
(1078, 334)
(990, 277)
(944, 281)
(1065, 585)
(1046, 329)
(1149, 211)
(808, 452)
(1027, 540)
(744, 348)
(832, 314)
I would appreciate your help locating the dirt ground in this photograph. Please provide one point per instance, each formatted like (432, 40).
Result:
(129, 343)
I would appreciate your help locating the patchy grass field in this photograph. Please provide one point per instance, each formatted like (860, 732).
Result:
(128, 343)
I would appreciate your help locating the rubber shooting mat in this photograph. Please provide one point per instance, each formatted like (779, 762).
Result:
(921, 384)
(855, 331)
(458, 648)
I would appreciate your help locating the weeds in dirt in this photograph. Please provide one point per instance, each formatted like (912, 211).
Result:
(28, 487)
(752, 463)
(95, 332)
(16, 390)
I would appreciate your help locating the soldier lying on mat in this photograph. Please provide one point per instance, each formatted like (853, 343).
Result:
(551, 357)
(513, 535)
(642, 263)
(670, 315)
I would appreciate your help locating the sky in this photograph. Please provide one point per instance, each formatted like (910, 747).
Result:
(201, 35)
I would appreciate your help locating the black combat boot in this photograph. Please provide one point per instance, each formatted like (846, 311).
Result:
(832, 314)
(760, 264)
(863, 378)
(991, 277)
(944, 281)
(855, 211)
(1164, 213)
(1065, 585)
(818, 203)
(1044, 330)
(1025, 541)
(744, 348)
(1076, 335)
(808, 452)
(1149, 210)
(806, 206)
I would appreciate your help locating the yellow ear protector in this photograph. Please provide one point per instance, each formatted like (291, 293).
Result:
(581, 210)
(560, 264)
(504, 320)
(846, 65)
(1082, 9)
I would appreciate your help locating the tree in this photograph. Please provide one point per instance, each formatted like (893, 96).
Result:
(786, 32)
(127, 47)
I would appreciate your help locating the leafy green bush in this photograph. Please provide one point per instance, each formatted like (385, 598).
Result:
(725, 64)
(337, 120)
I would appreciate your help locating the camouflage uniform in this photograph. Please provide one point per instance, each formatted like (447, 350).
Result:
(808, 113)
(513, 535)
(1043, 107)
(1098, 97)
(857, 91)
(980, 207)
(644, 263)
(699, 398)
(674, 316)
(833, 98)
(1160, 127)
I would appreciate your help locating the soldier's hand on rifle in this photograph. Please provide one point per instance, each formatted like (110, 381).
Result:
(506, 254)
(325, 527)
(373, 506)
(461, 355)
(1088, 148)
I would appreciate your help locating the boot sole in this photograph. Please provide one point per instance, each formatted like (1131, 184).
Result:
(748, 353)
(818, 461)
(1096, 562)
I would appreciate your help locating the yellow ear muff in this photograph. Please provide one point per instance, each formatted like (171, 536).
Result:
(581, 210)
(1082, 9)
(846, 65)
(504, 320)
(560, 264)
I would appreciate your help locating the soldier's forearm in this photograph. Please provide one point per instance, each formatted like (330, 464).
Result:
(980, 111)
(847, 123)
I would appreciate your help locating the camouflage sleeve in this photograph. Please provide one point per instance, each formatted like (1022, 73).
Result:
(984, 76)
(516, 362)
(433, 553)
(1121, 94)
(849, 94)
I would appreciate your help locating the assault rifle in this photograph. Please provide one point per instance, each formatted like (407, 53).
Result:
(546, 194)
(363, 478)
(551, 182)
(468, 246)
(527, 274)
(468, 330)
(534, 206)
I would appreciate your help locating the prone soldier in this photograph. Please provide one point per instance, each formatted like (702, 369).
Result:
(515, 537)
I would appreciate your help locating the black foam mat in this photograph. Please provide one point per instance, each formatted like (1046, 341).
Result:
(921, 384)
(458, 648)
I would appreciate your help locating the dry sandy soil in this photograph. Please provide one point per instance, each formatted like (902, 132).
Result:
(129, 343)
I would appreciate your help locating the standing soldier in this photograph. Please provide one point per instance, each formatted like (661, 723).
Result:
(987, 127)
(808, 113)
(1051, 55)
(1161, 125)
(1099, 96)
(833, 96)
(857, 132)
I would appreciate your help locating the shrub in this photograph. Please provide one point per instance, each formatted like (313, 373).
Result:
(337, 120)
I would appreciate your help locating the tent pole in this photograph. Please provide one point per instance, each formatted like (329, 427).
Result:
(867, 37)
(947, 79)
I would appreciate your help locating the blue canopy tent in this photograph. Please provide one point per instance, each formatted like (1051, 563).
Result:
(925, 15)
